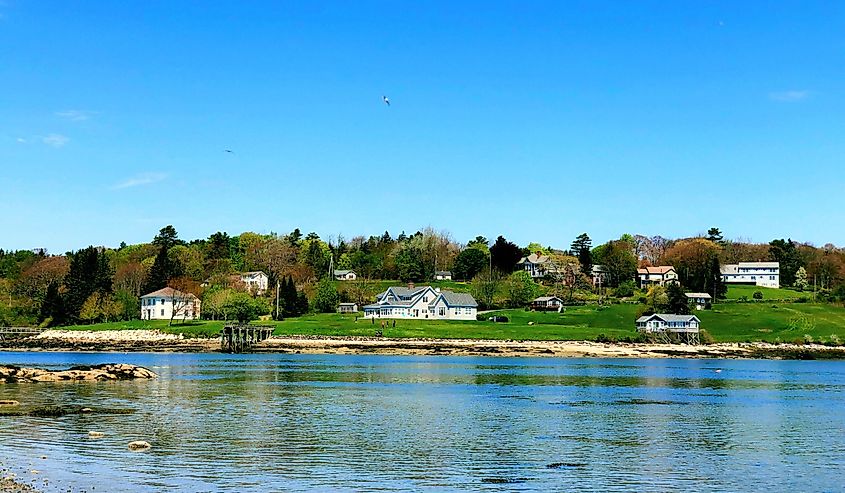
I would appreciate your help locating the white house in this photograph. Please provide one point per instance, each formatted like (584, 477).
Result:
(701, 301)
(424, 302)
(765, 274)
(443, 275)
(547, 303)
(255, 281)
(660, 276)
(169, 303)
(599, 275)
(345, 275)
(537, 265)
(347, 308)
(663, 322)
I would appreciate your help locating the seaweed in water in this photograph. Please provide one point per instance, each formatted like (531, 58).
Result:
(59, 411)
(561, 465)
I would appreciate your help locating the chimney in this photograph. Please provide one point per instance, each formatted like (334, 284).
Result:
(410, 284)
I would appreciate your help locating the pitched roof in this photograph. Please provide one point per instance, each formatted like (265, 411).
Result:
(768, 265)
(534, 259)
(546, 298)
(698, 295)
(668, 317)
(254, 273)
(661, 269)
(443, 273)
(342, 272)
(168, 292)
(458, 299)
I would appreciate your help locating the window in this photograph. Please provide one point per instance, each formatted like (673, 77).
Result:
(162, 301)
(162, 312)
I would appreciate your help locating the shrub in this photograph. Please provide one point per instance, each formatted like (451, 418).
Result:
(624, 290)
(834, 340)
(808, 339)
(606, 339)
(705, 337)
(758, 295)
(802, 299)
(743, 299)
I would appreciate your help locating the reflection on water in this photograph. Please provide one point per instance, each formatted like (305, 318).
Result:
(302, 422)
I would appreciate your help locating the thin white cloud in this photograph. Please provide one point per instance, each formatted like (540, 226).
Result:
(76, 115)
(789, 96)
(55, 140)
(139, 180)
(21, 140)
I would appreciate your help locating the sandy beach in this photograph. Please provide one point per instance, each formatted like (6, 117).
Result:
(155, 341)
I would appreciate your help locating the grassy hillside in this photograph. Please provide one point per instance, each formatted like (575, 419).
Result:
(733, 322)
(736, 292)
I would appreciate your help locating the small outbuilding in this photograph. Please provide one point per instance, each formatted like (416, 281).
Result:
(700, 301)
(347, 308)
(443, 275)
(547, 304)
(345, 275)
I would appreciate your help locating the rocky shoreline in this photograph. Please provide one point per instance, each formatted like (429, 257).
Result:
(156, 341)
(104, 372)
(8, 485)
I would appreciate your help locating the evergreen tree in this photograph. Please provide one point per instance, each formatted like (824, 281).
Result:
(714, 235)
(167, 238)
(163, 270)
(676, 300)
(505, 255)
(470, 262)
(581, 247)
(53, 308)
(327, 297)
(785, 253)
(89, 273)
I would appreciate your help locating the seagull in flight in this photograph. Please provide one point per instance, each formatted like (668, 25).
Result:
(386, 100)
(229, 151)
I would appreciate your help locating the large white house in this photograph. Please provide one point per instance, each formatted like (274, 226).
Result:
(169, 303)
(255, 281)
(423, 302)
(765, 274)
(537, 265)
(660, 275)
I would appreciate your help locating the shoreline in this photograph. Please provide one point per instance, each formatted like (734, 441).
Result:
(155, 341)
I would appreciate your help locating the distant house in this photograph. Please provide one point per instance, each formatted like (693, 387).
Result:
(347, 308)
(661, 275)
(345, 275)
(764, 274)
(255, 281)
(424, 302)
(599, 275)
(169, 303)
(671, 327)
(547, 303)
(701, 301)
(537, 265)
(443, 275)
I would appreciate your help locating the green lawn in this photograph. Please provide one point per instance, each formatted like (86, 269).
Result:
(729, 322)
(735, 292)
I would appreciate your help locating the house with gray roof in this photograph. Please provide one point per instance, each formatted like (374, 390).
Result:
(538, 265)
(443, 275)
(665, 322)
(422, 302)
(345, 275)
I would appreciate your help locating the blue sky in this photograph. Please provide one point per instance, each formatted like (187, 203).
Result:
(536, 120)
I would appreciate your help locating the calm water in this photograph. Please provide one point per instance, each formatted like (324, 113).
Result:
(383, 423)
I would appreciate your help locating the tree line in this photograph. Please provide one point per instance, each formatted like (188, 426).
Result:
(104, 284)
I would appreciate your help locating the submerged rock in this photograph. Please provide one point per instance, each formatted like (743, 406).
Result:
(10, 403)
(96, 434)
(105, 372)
(139, 445)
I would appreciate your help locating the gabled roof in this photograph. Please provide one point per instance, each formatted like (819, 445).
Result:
(668, 317)
(661, 269)
(443, 273)
(547, 298)
(253, 273)
(698, 295)
(458, 299)
(534, 259)
(767, 265)
(343, 272)
(166, 292)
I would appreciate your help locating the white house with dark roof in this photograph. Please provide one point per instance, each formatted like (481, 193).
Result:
(537, 265)
(169, 303)
(547, 303)
(764, 274)
(665, 322)
(423, 302)
(660, 275)
(443, 275)
(345, 275)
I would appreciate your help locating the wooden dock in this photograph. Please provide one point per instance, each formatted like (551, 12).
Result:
(241, 338)
(7, 333)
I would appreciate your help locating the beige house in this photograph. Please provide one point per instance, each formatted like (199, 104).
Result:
(661, 275)
(169, 303)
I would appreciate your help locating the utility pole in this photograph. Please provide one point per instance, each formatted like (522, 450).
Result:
(277, 299)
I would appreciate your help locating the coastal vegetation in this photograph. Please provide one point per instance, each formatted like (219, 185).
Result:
(99, 287)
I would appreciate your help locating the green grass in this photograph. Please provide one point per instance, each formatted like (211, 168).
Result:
(729, 322)
(735, 292)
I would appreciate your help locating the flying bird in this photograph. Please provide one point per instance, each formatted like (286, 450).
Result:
(228, 150)
(386, 100)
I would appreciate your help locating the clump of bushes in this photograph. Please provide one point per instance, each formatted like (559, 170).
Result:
(758, 295)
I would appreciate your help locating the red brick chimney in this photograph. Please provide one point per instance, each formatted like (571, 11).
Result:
(410, 284)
